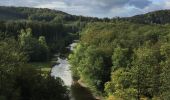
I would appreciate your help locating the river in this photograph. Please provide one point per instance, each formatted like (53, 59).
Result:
(62, 70)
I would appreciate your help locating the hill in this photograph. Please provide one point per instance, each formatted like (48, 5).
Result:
(156, 17)
(49, 15)
(39, 14)
(17, 13)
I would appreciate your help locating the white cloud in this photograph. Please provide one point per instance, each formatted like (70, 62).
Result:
(52, 5)
(167, 5)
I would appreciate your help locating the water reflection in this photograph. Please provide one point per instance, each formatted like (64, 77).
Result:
(62, 70)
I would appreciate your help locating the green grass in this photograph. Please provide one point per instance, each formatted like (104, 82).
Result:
(44, 67)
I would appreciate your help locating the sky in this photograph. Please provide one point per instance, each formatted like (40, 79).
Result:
(94, 8)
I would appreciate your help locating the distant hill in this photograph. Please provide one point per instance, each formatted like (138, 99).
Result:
(8, 13)
(45, 14)
(39, 14)
(29, 13)
(157, 17)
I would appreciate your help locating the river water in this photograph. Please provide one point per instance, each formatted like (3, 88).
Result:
(62, 70)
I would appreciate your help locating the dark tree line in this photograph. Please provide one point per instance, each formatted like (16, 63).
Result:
(56, 34)
(40, 14)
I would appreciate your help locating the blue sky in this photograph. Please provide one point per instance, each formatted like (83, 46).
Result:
(95, 8)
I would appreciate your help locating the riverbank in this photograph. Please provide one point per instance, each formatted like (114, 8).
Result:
(44, 67)
(82, 84)
(62, 70)
(80, 92)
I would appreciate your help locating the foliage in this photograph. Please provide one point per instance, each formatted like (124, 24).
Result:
(127, 60)
(59, 28)
(89, 65)
(37, 50)
(18, 82)
(124, 58)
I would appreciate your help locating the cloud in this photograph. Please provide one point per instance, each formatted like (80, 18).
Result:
(109, 3)
(105, 6)
(99, 8)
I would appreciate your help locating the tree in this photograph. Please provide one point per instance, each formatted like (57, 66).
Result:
(121, 85)
(88, 65)
(120, 58)
(37, 50)
(21, 82)
(25, 35)
(44, 48)
(165, 76)
(11, 59)
(42, 41)
(146, 69)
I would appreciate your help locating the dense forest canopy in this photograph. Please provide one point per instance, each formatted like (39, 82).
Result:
(57, 27)
(33, 35)
(157, 17)
(124, 60)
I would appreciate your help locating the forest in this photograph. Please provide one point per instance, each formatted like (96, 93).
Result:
(124, 58)
(29, 37)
